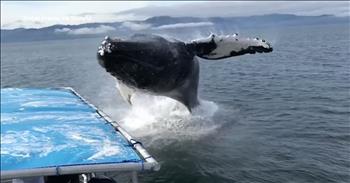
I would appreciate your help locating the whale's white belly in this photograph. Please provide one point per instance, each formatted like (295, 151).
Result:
(125, 91)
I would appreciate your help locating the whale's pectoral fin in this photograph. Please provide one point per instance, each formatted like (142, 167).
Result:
(218, 47)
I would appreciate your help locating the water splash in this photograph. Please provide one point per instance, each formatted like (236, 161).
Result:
(158, 117)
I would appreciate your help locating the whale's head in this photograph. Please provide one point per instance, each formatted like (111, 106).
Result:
(145, 61)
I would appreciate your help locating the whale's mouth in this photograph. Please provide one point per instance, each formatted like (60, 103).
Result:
(132, 62)
(112, 50)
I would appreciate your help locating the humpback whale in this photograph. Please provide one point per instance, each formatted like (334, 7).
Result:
(159, 66)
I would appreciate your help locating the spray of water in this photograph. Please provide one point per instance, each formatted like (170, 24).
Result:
(158, 117)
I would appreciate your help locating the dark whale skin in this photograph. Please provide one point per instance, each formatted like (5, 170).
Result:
(169, 67)
(153, 64)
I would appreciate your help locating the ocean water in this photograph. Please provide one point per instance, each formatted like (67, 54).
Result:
(277, 117)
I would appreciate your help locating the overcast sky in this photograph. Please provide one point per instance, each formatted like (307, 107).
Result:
(45, 13)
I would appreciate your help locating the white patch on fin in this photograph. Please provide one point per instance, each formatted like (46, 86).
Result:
(226, 44)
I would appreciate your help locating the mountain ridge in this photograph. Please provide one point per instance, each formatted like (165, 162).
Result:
(163, 24)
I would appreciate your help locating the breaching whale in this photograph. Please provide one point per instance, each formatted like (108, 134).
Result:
(164, 67)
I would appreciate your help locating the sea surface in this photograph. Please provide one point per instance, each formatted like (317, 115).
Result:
(277, 117)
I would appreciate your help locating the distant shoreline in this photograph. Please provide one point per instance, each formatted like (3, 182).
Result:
(166, 25)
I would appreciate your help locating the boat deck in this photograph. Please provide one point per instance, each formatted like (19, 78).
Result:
(56, 131)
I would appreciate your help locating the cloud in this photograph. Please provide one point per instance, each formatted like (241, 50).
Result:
(74, 13)
(184, 25)
(142, 26)
(63, 30)
(135, 26)
(63, 12)
(249, 8)
(86, 30)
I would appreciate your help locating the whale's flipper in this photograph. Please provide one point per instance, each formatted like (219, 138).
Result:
(218, 47)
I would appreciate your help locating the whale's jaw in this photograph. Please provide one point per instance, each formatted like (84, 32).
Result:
(131, 62)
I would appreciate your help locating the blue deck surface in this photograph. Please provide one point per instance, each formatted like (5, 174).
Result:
(54, 127)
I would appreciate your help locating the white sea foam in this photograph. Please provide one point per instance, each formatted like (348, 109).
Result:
(159, 117)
